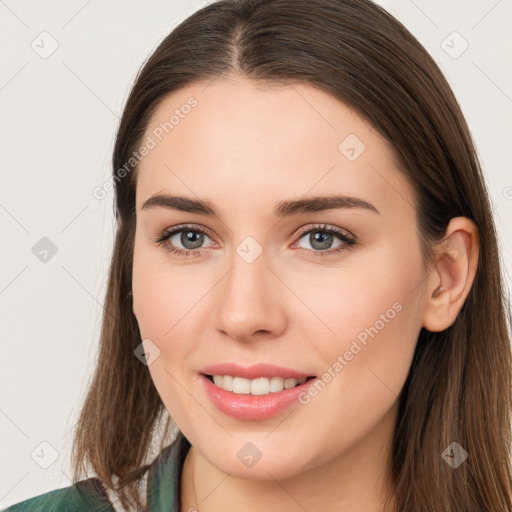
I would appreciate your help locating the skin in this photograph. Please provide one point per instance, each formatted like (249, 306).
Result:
(245, 148)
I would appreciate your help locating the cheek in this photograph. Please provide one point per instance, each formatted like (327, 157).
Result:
(167, 304)
(366, 365)
(166, 296)
(373, 321)
(171, 304)
(373, 344)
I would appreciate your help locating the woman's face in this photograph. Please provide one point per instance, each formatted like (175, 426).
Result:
(271, 283)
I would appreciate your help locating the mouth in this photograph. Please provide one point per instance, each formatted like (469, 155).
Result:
(258, 398)
(259, 386)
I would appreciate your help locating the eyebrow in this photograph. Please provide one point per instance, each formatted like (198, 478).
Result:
(282, 209)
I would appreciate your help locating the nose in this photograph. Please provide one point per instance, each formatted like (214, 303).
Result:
(250, 301)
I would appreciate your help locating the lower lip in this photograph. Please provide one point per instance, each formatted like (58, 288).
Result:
(253, 407)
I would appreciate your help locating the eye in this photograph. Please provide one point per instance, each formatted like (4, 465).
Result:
(321, 238)
(192, 238)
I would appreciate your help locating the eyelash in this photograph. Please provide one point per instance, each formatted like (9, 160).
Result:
(348, 241)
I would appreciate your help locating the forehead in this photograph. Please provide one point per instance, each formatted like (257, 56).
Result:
(265, 142)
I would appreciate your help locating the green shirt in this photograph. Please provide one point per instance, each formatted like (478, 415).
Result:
(162, 490)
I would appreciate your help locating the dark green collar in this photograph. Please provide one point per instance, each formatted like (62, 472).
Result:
(164, 477)
(163, 488)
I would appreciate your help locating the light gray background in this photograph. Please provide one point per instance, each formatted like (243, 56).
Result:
(57, 124)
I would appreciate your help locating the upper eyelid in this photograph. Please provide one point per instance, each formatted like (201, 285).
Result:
(178, 229)
(325, 227)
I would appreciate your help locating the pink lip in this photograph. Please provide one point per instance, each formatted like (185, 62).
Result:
(253, 407)
(254, 371)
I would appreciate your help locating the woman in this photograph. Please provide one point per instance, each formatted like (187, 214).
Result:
(305, 278)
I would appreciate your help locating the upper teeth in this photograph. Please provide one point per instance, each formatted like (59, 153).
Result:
(260, 386)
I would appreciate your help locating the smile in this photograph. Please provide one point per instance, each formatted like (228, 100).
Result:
(242, 404)
(259, 386)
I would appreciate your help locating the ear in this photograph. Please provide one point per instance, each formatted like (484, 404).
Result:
(450, 281)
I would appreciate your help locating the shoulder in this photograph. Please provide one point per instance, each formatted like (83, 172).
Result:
(85, 495)
(162, 491)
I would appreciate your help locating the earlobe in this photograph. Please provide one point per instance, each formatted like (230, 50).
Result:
(450, 281)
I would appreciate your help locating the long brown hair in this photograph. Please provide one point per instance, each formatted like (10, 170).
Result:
(460, 381)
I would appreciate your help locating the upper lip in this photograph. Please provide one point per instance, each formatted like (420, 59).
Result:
(254, 371)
